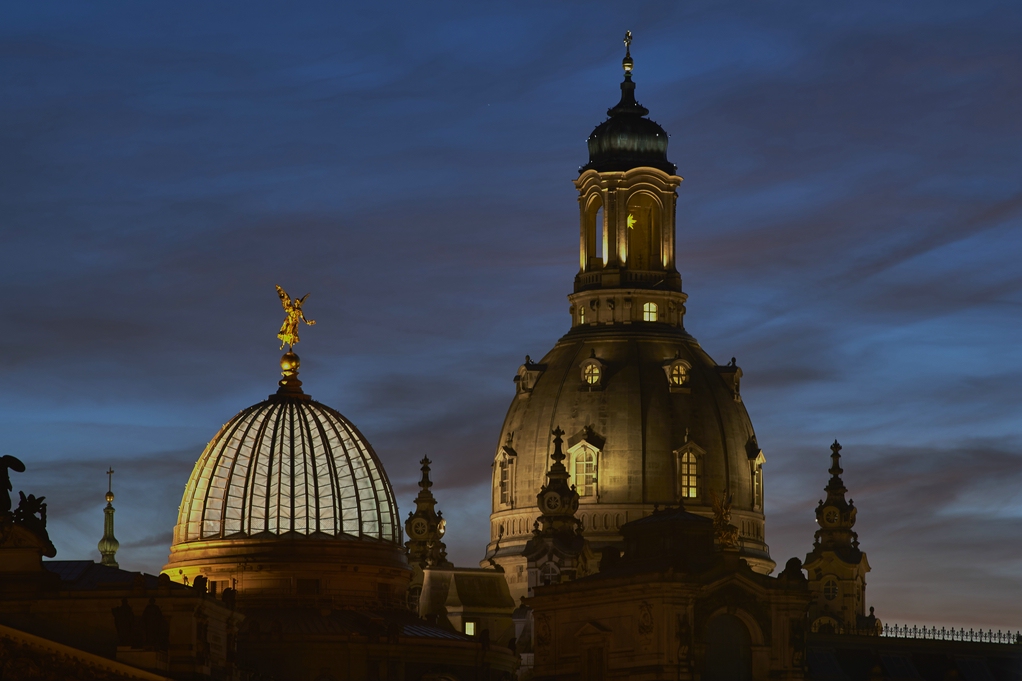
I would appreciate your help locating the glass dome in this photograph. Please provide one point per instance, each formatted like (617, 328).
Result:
(288, 465)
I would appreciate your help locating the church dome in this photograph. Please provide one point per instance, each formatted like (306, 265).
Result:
(627, 139)
(288, 466)
(633, 437)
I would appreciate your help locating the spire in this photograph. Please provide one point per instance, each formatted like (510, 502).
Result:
(835, 488)
(835, 514)
(557, 500)
(108, 545)
(426, 527)
(628, 105)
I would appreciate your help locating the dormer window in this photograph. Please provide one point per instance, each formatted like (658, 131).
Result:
(687, 468)
(677, 372)
(649, 312)
(592, 371)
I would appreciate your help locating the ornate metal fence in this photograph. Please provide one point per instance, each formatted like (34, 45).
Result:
(944, 634)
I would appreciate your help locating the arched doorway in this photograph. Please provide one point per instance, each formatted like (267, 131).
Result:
(728, 650)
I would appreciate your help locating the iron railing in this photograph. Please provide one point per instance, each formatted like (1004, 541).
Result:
(935, 634)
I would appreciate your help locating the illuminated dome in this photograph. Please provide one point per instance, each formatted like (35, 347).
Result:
(288, 465)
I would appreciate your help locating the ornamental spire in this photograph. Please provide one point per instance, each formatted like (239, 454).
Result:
(557, 500)
(426, 526)
(108, 545)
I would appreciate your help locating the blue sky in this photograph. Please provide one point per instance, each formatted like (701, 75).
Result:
(848, 229)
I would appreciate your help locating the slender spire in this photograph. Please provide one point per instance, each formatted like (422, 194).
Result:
(108, 545)
(835, 488)
(425, 526)
(628, 104)
(557, 500)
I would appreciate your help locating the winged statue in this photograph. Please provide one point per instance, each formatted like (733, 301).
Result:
(288, 334)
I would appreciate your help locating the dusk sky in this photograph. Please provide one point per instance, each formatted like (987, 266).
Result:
(849, 227)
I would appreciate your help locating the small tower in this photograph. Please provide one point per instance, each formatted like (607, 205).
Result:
(426, 527)
(836, 567)
(557, 551)
(108, 545)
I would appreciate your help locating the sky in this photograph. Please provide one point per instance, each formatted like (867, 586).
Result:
(848, 228)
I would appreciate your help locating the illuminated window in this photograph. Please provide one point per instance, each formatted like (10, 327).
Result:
(505, 480)
(678, 374)
(688, 475)
(585, 472)
(830, 589)
(470, 628)
(649, 312)
(757, 486)
(591, 374)
(581, 314)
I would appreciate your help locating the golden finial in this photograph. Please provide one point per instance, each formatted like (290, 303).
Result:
(288, 334)
(627, 61)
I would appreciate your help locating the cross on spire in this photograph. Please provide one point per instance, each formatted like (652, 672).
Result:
(110, 480)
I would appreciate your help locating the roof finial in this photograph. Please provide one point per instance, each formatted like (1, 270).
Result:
(835, 457)
(627, 62)
(288, 335)
(108, 545)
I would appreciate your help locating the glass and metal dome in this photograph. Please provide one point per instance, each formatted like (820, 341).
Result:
(288, 466)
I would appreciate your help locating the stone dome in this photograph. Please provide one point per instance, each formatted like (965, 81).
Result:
(637, 426)
(627, 139)
(288, 466)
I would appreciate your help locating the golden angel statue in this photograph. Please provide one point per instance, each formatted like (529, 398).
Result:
(727, 534)
(289, 329)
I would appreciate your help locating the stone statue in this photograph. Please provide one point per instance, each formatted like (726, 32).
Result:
(31, 512)
(727, 534)
(7, 464)
(288, 334)
(154, 625)
(124, 621)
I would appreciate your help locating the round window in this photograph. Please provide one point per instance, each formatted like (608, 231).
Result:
(830, 589)
(591, 374)
(679, 374)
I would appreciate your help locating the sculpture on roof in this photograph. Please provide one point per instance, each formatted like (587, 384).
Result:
(288, 334)
(8, 463)
(727, 534)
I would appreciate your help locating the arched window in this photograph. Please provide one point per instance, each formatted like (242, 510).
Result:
(728, 650)
(594, 247)
(413, 597)
(757, 486)
(585, 472)
(581, 314)
(830, 589)
(688, 475)
(505, 480)
(643, 230)
(649, 312)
